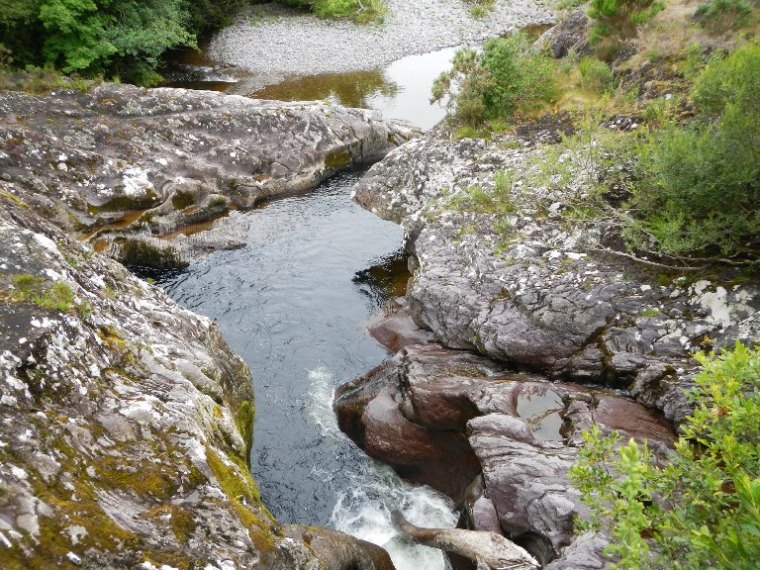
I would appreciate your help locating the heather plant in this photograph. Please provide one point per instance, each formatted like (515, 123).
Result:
(621, 17)
(698, 186)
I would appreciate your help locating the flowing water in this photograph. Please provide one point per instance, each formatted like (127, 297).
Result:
(295, 303)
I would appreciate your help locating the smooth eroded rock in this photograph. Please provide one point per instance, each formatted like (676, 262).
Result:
(143, 173)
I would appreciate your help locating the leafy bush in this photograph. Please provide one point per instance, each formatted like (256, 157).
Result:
(620, 17)
(702, 509)
(699, 186)
(596, 76)
(504, 79)
(106, 37)
(722, 15)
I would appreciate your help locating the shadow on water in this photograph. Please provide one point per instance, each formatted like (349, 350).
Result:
(386, 279)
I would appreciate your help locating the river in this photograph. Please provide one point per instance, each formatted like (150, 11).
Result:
(295, 303)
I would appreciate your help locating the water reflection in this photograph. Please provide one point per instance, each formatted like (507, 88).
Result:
(355, 89)
(385, 279)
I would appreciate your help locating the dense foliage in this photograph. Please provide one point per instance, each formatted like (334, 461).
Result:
(125, 38)
(700, 510)
(699, 186)
(105, 37)
(503, 80)
(620, 17)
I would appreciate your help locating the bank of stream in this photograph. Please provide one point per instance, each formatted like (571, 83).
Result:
(401, 90)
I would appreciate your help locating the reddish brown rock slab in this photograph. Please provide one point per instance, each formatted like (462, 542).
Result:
(523, 430)
(398, 331)
(442, 459)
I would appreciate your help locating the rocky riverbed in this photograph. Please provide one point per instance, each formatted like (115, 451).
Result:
(272, 42)
(126, 420)
(501, 303)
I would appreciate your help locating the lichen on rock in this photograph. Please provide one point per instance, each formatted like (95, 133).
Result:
(125, 420)
(130, 167)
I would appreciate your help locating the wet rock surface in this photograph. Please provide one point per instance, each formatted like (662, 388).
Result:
(142, 173)
(549, 295)
(125, 419)
(523, 430)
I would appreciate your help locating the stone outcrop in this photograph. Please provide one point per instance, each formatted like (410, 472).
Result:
(523, 431)
(544, 288)
(125, 420)
(141, 173)
(570, 34)
(573, 331)
(489, 549)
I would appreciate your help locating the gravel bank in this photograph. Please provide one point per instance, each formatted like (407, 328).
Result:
(273, 42)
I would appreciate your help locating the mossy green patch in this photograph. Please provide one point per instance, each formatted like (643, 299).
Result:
(182, 200)
(180, 519)
(244, 418)
(126, 203)
(79, 507)
(145, 478)
(241, 490)
(337, 159)
(141, 253)
(57, 296)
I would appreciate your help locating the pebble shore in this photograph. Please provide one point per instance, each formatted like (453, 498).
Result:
(272, 42)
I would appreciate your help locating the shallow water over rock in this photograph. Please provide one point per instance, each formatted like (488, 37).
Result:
(295, 303)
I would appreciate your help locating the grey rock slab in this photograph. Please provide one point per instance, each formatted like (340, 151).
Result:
(546, 297)
(142, 164)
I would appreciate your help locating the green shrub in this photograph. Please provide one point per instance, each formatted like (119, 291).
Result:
(699, 186)
(481, 8)
(620, 17)
(701, 509)
(106, 37)
(722, 15)
(596, 76)
(503, 80)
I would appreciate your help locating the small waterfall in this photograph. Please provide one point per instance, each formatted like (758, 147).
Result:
(372, 491)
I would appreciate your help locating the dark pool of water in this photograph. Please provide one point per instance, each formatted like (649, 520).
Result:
(295, 303)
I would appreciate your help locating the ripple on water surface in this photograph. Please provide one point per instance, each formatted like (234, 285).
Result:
(294, 303)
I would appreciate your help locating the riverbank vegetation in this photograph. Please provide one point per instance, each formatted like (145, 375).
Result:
(702, 508)
(690, 190)
(122, 40)
(362, 11)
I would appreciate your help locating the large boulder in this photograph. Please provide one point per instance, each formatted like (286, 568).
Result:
(550, 292)
(570, 34)
(141, 173)
(523, 430)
